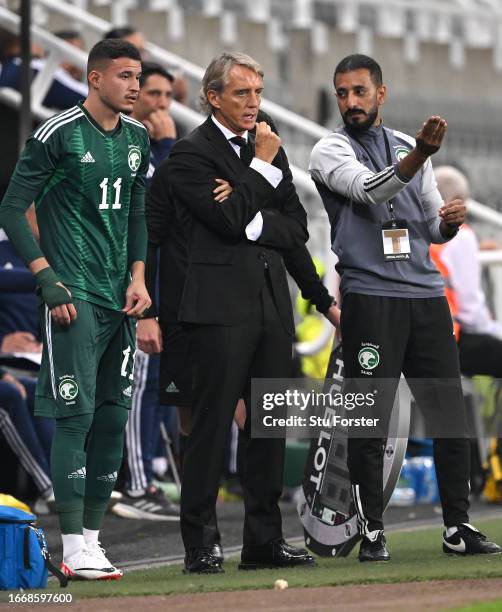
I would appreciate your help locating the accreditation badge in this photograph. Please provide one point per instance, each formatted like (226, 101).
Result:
(396, 240)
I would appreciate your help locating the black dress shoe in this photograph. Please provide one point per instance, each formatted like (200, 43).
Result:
(374, 550)
(217, 552)
(202, 561)
(276, 553)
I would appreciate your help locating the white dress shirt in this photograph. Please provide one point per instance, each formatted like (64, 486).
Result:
(269, 172)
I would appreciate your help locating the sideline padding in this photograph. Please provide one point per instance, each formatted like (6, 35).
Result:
(326, 507)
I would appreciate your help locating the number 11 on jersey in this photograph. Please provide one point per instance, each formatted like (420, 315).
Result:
(104, 194)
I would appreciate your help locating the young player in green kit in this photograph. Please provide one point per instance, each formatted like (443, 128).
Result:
(85, 169)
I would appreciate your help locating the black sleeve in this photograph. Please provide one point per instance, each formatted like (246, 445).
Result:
(287, 228)
(159, 213)
(159, 208)
(300, 266)
(192, 174)
(151, 270)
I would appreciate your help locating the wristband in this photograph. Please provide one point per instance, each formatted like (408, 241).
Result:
(48, 289)
(47, 276)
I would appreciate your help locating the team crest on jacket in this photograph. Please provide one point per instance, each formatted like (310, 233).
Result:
(134, 158)
(401, 152)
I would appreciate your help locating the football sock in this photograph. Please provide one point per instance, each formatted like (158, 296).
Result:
(72, 543)
(91, 535)
(68, 469)
(105, 448)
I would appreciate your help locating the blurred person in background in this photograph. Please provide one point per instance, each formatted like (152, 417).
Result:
(379, 191)
(152, 109)
(137, 38)
(29, 436)
(142, 499)
(309, 329)
(131, 35)
(20, 332)
(72, 37)
(64, 92)
(17, 396)
(19, 321)
(10, 47)
(479, 334)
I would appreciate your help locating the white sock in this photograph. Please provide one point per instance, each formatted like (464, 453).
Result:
(450, 531)
(91, 535)
(72, 543)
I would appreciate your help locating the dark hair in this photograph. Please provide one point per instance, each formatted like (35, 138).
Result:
(358, 61)
(110, 49)
(121, 32)
(67, 34)
(149, 68)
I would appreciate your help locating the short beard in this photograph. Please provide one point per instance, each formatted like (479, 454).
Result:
(361, 126)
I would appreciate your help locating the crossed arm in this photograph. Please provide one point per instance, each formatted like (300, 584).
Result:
(191, 175)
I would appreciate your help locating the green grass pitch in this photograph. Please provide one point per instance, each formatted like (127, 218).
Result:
(416, 556)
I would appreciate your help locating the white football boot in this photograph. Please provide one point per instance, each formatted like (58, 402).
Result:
(90, 564)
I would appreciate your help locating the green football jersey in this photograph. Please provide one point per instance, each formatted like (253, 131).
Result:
(88, 186)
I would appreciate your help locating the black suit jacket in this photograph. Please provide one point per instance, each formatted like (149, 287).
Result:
(167, 256)
(225, 272)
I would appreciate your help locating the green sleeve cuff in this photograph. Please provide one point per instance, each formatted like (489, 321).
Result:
(47, 276)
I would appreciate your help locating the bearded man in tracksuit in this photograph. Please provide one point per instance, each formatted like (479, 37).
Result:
(384, 207)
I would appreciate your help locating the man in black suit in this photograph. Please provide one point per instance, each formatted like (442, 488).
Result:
(235, 305)
(167, 260)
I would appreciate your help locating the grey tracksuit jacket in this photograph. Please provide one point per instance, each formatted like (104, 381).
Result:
(355, 194)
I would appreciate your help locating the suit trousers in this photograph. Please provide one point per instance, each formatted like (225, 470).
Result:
(224, 360)
(413, 336)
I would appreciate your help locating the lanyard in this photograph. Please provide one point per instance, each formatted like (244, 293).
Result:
(390, 203)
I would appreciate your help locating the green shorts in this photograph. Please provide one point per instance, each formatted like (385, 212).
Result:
(86, 364)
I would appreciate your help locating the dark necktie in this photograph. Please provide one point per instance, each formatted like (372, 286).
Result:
(246, 148)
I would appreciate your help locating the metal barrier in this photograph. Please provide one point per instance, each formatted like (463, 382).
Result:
(84, 18)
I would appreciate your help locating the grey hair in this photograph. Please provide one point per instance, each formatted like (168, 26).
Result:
(451, 183)
(216, 76)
